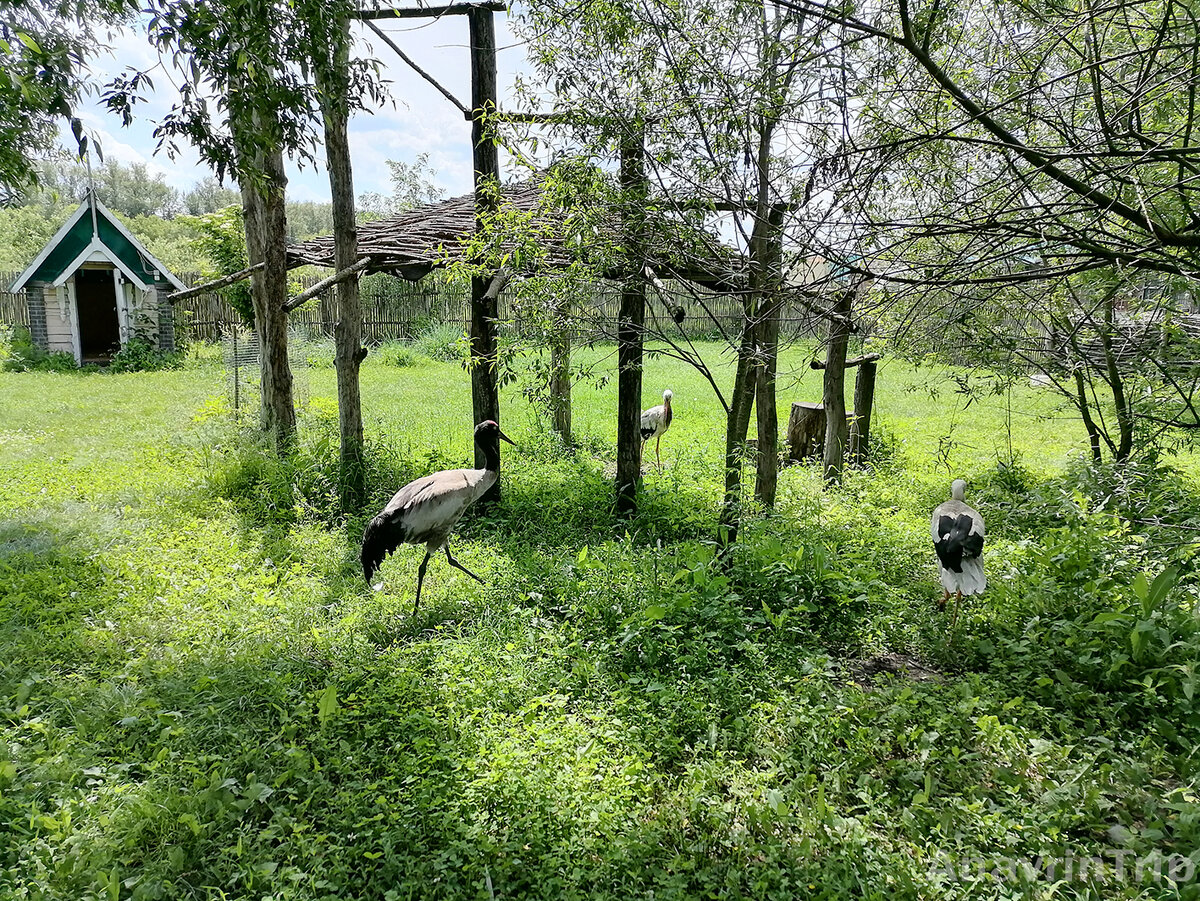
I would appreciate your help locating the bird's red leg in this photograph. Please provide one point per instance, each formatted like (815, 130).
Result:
(454, 562)
(657, 456)
(420, 580)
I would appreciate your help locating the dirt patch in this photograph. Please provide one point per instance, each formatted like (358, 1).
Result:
(866, 672)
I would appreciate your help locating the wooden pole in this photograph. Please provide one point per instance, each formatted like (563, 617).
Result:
(631, 323)
(485, 395)
(326, 283)
(215, 284)
(834, 399)
(430, 12)
(864, 399)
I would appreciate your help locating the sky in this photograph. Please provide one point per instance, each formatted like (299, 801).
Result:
(418, 120)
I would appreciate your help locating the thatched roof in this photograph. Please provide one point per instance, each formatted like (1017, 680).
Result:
(412, 243)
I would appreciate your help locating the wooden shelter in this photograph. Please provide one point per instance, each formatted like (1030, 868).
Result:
(411, 244)
(94, 287)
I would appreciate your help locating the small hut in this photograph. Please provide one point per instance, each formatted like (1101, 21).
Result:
(94, 287)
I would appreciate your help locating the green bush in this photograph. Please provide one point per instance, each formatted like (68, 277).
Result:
(25, 356)
(395, 353)
(442, 341)
(140, 355)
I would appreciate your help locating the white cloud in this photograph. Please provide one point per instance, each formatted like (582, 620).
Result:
(421, 120)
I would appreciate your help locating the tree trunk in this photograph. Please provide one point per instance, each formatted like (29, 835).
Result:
(834, 398)
(485, 394)
(1117, 383)
(349, 353)
(1085, 411)
(736, 423)
(560, 373)
(631, 326)
(767, 478)
(864, 400)
(265, 216)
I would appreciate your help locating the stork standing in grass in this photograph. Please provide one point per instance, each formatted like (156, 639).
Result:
(425, 510)
(958, 540)
(655, 423)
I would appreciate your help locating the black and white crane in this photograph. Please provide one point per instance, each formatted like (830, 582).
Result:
(958, 535)
(655, 423)
(425, 510)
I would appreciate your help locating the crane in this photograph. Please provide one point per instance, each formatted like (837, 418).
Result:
(655, 423)
(425, 510)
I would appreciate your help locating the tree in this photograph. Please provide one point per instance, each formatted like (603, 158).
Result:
(243, 105)
(44, 48)
(413, 185)
(328, 32)
(1017, 168)
(718, 85)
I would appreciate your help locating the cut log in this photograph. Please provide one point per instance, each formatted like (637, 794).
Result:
(806, 431)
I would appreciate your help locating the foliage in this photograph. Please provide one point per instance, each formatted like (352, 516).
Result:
(139, 354)
(413, 185)
(44, 48)
(223, 241)
(444, 341)
(24, 355)
(395, 353)
(200, 696)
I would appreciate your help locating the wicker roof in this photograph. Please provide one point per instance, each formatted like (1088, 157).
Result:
(412, 243)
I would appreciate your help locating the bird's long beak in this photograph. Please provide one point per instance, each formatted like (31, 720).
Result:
(506, 438)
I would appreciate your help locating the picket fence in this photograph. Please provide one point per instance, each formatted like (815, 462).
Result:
(399, 309)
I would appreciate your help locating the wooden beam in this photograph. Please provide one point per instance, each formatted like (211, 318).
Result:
(429, 78)
(214, 285)
(428, 12)
(326, 283)
(855, 361)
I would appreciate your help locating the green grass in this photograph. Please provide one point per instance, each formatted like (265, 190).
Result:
(199, 697)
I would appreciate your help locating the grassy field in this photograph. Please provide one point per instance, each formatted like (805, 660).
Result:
(200, 698)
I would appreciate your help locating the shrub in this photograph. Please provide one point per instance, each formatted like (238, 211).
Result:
(394, 353)
(442, 341)
(25, 356)
(140, 355)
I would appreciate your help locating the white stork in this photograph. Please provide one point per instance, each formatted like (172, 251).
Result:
(426, 509)
(655, 423)
(958, 535)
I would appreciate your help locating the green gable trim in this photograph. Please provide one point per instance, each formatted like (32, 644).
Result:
(76, 240)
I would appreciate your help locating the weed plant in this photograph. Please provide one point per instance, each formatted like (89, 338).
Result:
(201, 698)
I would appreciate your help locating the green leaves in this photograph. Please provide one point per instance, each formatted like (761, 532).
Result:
(327, 706)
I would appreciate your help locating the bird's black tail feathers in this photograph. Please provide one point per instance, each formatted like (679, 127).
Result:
(378, 541)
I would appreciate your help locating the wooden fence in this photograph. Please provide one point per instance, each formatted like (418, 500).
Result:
(397, 309)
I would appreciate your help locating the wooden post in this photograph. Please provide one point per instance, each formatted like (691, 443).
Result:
(485, 395)
(834, 398)
(631, 325)
(864, 399)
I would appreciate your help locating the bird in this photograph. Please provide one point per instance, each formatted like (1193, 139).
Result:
(655, 423)
(425, 510)
(958, 534)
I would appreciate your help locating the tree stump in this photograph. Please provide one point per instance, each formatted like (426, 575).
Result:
(805, 431)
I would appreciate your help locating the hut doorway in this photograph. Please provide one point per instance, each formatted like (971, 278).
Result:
(99, 327)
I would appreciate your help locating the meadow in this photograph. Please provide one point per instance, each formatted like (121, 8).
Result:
(201, 698)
